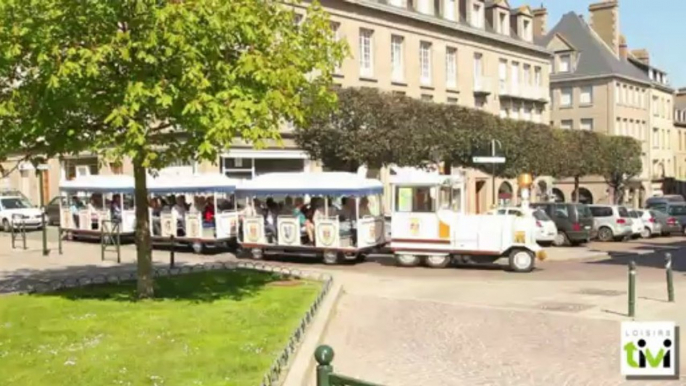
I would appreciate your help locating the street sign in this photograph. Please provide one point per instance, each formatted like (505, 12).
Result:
(488, 160)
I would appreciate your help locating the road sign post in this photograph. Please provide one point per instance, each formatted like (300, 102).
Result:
(493, 160)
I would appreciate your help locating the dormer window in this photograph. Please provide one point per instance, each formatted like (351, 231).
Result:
(396, 3)
(477, 16)
(449, 9)
(424, 6)
(565, 63)
(502, 23)
(526, 30)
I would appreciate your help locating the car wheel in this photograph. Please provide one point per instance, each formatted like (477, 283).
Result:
(437, 261)
(6, 226)
(407, 260)
(331, 257)
(561, 239)
(646, 233)
(605, 234)
(521, 260)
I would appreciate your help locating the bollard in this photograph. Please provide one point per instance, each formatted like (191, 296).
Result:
(670, 282)
(324, 355)
(59, 239)
(171, 251)
(632, 289)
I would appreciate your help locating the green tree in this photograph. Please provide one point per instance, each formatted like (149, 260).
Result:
(621, 161)
(577, 153)
(157, 80)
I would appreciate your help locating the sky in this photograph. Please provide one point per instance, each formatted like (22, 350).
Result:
(657, 25)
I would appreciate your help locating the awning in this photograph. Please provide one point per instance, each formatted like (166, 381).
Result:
(265, 154)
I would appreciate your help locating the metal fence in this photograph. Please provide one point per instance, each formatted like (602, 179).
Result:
(325, 375)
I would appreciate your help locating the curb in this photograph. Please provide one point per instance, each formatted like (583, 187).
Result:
(301, 372)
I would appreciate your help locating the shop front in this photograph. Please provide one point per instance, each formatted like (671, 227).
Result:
(250, 163)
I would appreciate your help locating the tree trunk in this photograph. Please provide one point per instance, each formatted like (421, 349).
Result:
(143, 242)
(576, 189)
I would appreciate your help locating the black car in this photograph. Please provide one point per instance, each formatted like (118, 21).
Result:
(574, 222)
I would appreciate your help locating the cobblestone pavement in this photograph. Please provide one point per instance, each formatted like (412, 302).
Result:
(407, 342)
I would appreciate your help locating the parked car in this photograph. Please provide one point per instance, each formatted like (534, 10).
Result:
(678, 211)
(546, 231)
(13, 206)
(670, 225)
(611, 222)
(661, 203)
(651, 225)
(574, 222)
(637, 225)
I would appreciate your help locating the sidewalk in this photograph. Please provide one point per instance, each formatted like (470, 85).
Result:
(440, 332)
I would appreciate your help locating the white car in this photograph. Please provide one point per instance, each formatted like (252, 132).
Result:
(546, 231)
(650, 224)
(637, 224)
(19, 209)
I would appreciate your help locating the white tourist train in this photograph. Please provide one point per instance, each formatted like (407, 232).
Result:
(198, 210)
(336, 216)
(333, 215)
(428, 225)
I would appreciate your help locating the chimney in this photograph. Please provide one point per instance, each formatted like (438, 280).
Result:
(642, 55)
(540, 21)
(623, 50)
(605, 22)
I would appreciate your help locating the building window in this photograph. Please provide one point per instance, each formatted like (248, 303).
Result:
(449, 10)
(424, 6)
(335, 29)
(514, 76)
(617, 91)
(538, 81)
(565, 63)
(397, 58)
(427, 97)
(625, 99)
(366, 52)
(451, 67)
(566, 97)
(526, 74)
(526, 114)
(503, 111)
(502, 23)
(586, 95)
(514, 111)
(618, 127)
(655, 106)
(526, 24)
(566, 124)
(537, 115)
(656, 138)
(502, 76)
(452, 101)
(399, 93)
(477, 17)
(586, 124)
(425, 62)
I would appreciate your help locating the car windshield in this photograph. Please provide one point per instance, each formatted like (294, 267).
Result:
(15, 203)
(540, 215)
(583, 211)
(677, 210)
(623, 212)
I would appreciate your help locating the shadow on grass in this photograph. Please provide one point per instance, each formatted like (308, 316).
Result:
(201, 286)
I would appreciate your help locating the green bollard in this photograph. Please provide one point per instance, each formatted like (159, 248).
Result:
(632, 289)
(670, 281)
(324, 356)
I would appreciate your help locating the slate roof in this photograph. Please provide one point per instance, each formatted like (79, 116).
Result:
(595, 58)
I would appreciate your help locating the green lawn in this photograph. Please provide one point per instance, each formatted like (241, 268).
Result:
(209, 328)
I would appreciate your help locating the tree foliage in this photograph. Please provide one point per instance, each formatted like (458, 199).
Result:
(621, 162)
(376, 128)
(157, 80)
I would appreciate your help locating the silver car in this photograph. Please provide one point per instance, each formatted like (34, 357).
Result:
(611, 222)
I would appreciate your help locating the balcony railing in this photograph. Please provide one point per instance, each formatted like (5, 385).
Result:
(526, 92)
(482, 85)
